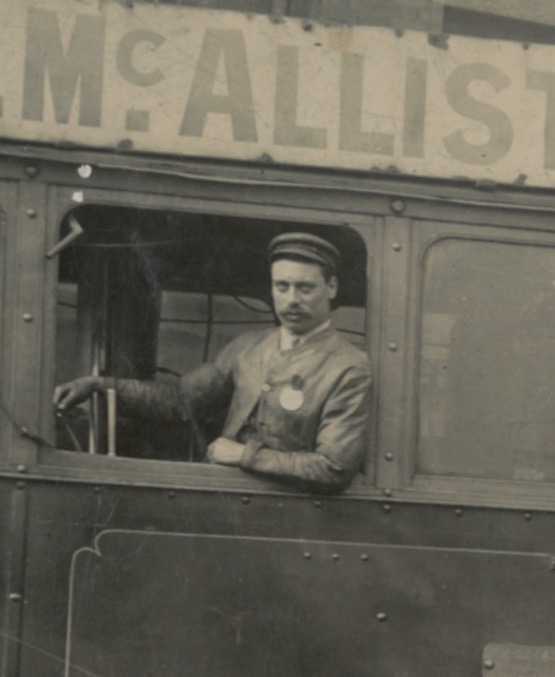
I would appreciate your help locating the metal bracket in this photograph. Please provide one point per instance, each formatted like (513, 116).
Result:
(76, 230)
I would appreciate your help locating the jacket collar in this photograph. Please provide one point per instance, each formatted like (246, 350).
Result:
(288, 340)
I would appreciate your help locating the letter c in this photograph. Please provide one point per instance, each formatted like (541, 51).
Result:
(124, 57)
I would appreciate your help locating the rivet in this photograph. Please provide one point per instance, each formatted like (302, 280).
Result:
(171, 494)
(389, 456)
(307, 555)
(388, 492)
(552, 564)
(20, 485)
(382, 617)
(97, 490)
(15, 597)
(489, 664)
(459, 512)
(22, 468)
(397, 206)
(393, 346)
(364, 558)
(335, 556)
(84, 171)
(397, 246)
(31, 213)
(245, 500)
(27, 317)
(31, 171)
(527, 516)
(307, 26)
(386, 507)
(125, 144)
(318, 504)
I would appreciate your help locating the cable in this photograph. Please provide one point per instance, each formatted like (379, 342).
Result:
(22, 430)
(69, 430)
(247, 305)
(132, 245)
(178, 320)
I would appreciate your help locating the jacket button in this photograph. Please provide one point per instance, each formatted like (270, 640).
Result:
(266, 387)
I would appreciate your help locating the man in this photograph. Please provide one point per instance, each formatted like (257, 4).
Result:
(297, 397)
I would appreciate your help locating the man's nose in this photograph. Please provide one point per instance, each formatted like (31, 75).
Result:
(292, 295)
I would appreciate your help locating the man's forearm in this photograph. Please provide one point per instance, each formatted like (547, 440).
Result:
(148, 399)
(314, 469)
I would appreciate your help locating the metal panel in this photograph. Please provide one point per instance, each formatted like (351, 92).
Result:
(393, 351)
(146, 603)
(28, 249)
(509, 660)
(424, 15)
(4, 578)
(149, 592)
(13, 501)
(539, 10)
(8, 197)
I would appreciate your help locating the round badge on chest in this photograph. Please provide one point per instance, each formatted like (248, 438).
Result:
(291, 399)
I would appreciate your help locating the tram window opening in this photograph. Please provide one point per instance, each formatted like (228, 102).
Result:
(151, 295)
(487, 372)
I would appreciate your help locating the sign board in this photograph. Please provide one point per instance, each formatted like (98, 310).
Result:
(193, 82)
(511, 660)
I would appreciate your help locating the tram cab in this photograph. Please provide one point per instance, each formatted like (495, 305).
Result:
(141, 180)
(149, 294)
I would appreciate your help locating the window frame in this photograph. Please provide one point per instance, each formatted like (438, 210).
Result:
(272, 191)
(483, 491)
(150, 472)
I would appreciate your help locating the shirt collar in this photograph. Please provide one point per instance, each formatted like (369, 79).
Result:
(288, 340)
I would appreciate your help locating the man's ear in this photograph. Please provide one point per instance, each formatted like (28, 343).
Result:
(333, 286)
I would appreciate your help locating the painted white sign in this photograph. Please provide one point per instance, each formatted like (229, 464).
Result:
(192, 82)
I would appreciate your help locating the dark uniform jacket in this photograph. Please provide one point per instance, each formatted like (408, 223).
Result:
(302, 413)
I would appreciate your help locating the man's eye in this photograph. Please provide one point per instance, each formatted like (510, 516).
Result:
(281, 286)
(305, 288)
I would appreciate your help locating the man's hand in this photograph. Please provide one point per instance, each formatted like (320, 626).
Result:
(224, 451)
(72, 393)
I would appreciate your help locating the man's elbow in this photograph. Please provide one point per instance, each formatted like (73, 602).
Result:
(336, 478)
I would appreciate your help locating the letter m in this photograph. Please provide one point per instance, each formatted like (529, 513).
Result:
(83, 63)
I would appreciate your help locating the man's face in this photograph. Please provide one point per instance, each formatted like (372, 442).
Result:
(301, 295)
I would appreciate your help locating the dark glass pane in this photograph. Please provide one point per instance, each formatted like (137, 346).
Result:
(487, 372)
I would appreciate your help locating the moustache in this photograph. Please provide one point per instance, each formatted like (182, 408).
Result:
(293, 312)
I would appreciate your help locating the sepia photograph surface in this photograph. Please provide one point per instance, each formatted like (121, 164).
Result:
(277, 296)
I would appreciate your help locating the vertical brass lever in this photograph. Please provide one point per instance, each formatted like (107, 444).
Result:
(111, 403)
